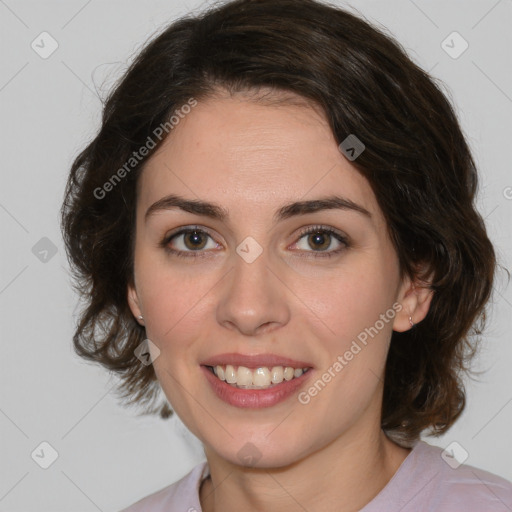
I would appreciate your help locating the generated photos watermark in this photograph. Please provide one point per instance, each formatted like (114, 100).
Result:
(343, 360)
(137, 156)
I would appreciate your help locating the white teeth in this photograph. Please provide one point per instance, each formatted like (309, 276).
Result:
(260, 378)
(277, 374)
(288, 373)
(219, 371)
(230, 374)
(244, 376)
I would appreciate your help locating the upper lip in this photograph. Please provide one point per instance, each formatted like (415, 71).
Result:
(254, 361)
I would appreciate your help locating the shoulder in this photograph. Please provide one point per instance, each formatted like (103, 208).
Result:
(462, 485)
(430, 479)
(182, 496)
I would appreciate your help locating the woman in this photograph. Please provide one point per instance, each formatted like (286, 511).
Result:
(276, 225)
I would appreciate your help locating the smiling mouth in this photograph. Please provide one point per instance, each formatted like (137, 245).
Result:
(259, 378)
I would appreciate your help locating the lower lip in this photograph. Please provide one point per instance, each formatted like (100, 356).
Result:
(254, 398)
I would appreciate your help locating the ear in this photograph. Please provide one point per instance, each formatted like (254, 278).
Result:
(415, 297)
(133, 302)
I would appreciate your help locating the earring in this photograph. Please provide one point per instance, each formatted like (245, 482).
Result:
(140, 317)
(411, 322)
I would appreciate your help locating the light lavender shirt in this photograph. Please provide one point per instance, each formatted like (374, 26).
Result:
(424, 482)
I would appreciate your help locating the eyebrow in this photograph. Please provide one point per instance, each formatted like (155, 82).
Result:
(217, 212)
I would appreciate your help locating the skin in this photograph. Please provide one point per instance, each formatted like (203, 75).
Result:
(250, 158)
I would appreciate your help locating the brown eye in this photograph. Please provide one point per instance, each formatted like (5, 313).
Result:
(319, 239)
(188, 242)
(194, 240)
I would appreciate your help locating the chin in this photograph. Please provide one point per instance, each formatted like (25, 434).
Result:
(260, 452)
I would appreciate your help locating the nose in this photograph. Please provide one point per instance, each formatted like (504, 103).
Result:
(254, 299)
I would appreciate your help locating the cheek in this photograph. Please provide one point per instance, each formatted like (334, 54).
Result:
(355, 308)
(175, 301)
(175, 305)
(357, 318)
(346, 302)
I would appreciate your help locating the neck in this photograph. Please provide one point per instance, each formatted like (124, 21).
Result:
(343, 476)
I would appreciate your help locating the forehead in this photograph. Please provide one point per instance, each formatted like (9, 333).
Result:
(235, 151)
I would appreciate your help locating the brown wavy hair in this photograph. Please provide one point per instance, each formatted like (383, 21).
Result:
(416, 160)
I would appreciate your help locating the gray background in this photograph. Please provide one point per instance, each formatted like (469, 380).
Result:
(107, 457)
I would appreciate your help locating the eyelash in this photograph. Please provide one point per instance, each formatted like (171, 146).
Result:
(201, 254)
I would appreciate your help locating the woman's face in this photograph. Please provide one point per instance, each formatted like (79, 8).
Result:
(255, 283)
